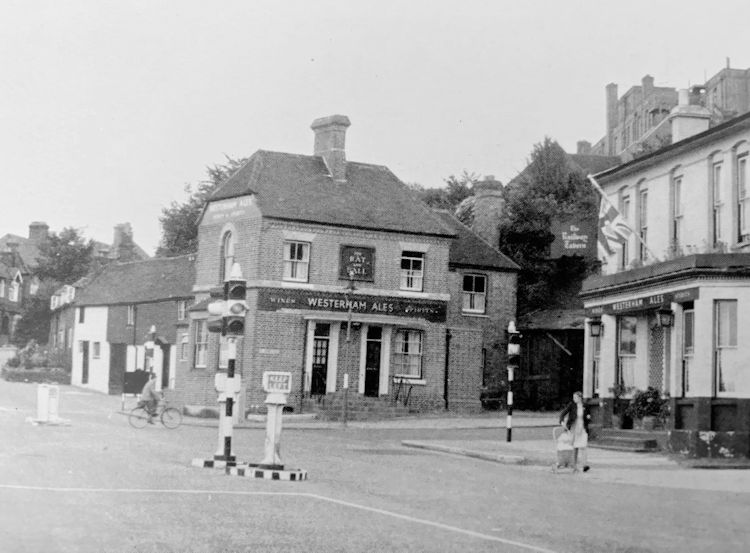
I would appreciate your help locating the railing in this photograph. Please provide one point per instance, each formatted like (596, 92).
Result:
(397, 385)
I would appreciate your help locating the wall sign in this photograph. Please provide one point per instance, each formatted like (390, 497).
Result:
(273, 299)
(573, 237)
(228, 210)
(360, 261)
(643, 303)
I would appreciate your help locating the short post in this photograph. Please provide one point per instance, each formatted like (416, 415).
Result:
(514, 358)
(278, 386)
(345, 407)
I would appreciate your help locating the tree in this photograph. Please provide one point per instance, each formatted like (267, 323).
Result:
(179, 221)
(35, 318)
(456, 190)
(550, 187)
(64, 257)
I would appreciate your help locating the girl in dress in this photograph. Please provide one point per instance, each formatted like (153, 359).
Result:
(575, 418)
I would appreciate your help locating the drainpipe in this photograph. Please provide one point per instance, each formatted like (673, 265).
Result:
(447, 364)
(302, 375)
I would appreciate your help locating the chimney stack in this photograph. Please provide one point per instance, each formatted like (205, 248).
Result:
(330, 137)
(38, 231)
(583, 147)
(647, 85)
(687, 120)
(611, 91)
(12, 257)
(123, 247)
(489, 206)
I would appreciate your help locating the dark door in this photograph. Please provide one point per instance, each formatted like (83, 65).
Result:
(118, 354)
(320, 359)
(372, 361)
(85, 357)
(165, 366)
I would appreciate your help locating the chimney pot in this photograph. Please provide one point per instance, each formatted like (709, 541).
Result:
(330, 139)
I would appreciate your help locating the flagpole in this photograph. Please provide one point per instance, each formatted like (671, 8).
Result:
(606, 199)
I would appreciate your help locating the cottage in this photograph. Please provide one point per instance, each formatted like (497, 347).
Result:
(100, 325)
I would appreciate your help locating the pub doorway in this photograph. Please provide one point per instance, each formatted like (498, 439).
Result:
(321, 346)
(372, 360)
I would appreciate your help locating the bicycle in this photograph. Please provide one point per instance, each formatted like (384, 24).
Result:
(170, 417)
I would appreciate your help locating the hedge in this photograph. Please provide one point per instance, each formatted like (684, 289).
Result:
(40, 375)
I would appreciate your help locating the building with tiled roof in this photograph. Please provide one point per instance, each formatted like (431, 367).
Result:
(349, 278)
(100, 323)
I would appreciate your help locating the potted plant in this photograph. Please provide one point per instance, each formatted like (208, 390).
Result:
(645, 407)
(620, 418)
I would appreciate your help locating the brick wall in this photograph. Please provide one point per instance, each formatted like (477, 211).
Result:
(473, 333)
(276, 340)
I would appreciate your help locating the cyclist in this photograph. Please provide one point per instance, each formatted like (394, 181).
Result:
(150, 397)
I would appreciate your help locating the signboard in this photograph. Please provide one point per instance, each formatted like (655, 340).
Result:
(277, 382)
(573, 237)
(359, 261)
(228, 210)
(273, 299)
(643, 303)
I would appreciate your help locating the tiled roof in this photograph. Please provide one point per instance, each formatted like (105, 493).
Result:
(6, 272)
(27, 248)
(469, 250)
(299, 188)
(161, 278)
(553, 319)
(591, 164)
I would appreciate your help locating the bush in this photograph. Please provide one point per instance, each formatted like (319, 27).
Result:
(646, 403)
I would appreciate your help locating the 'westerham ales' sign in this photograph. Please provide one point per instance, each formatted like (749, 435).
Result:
(273, 299)
(228, 210)
(573, 237)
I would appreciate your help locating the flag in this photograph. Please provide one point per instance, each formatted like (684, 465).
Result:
(613, 229)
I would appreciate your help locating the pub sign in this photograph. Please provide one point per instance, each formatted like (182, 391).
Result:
(573, 237)
(359, 260)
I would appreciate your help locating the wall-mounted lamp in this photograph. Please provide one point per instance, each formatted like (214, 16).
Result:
(595, 327)
(666, 317)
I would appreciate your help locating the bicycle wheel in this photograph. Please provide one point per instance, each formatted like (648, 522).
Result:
(138, 417)
(171, 417)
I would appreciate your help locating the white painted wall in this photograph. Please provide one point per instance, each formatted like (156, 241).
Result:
(695, 167)
(92, 329)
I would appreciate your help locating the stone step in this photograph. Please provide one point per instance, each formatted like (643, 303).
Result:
(625, 443)
(626, 433)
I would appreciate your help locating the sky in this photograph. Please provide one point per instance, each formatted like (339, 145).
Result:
(108, 110)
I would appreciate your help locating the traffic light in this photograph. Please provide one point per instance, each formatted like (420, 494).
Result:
(514, 350)
(235, 293)
(216, 315)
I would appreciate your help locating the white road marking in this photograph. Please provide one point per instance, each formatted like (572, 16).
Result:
(290, 494)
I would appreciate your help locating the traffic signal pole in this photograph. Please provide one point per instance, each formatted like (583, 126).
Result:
(228, 318)
(514, 359)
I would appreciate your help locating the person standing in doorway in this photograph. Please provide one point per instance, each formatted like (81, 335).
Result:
(575, 418)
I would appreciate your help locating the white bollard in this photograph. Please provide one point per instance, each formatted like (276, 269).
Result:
(42, 403)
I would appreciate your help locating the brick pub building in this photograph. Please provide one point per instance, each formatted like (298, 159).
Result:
(347, 274)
